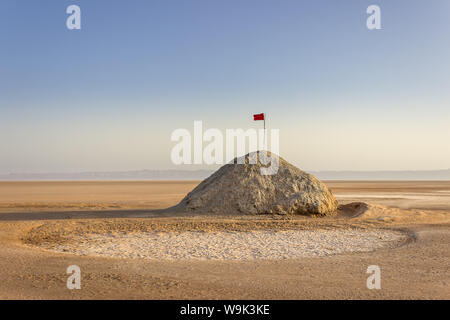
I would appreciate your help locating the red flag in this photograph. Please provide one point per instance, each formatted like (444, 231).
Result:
(259, 116)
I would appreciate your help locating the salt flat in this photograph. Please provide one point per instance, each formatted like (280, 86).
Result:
(270, 245)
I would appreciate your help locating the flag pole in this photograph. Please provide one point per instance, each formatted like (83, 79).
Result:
(264, 143)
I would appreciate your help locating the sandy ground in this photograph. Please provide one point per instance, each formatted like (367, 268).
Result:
(229, 245)
(44, 226)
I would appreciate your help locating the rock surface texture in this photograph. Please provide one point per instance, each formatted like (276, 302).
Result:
(240, 188)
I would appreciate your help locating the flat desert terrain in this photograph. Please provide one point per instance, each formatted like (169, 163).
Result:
(128, 245)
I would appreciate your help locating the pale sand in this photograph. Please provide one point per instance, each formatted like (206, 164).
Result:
(270, 245)
(36, 217)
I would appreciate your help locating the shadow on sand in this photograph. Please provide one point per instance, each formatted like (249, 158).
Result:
(66, 215)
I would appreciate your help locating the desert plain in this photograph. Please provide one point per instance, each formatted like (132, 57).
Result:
(129, 246)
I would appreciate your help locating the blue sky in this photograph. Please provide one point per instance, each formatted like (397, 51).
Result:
(107, 97)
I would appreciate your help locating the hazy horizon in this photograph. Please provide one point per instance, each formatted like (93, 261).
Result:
(200, 174)
(108, 96)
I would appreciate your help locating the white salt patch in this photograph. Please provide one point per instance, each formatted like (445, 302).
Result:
(232, 245)
(411, 196)
(382, 196)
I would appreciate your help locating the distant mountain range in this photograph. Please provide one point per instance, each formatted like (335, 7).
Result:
(202, 174)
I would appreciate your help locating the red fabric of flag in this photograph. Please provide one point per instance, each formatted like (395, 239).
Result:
(259, 116)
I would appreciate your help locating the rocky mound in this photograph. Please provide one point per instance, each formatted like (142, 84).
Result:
(240, 188)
